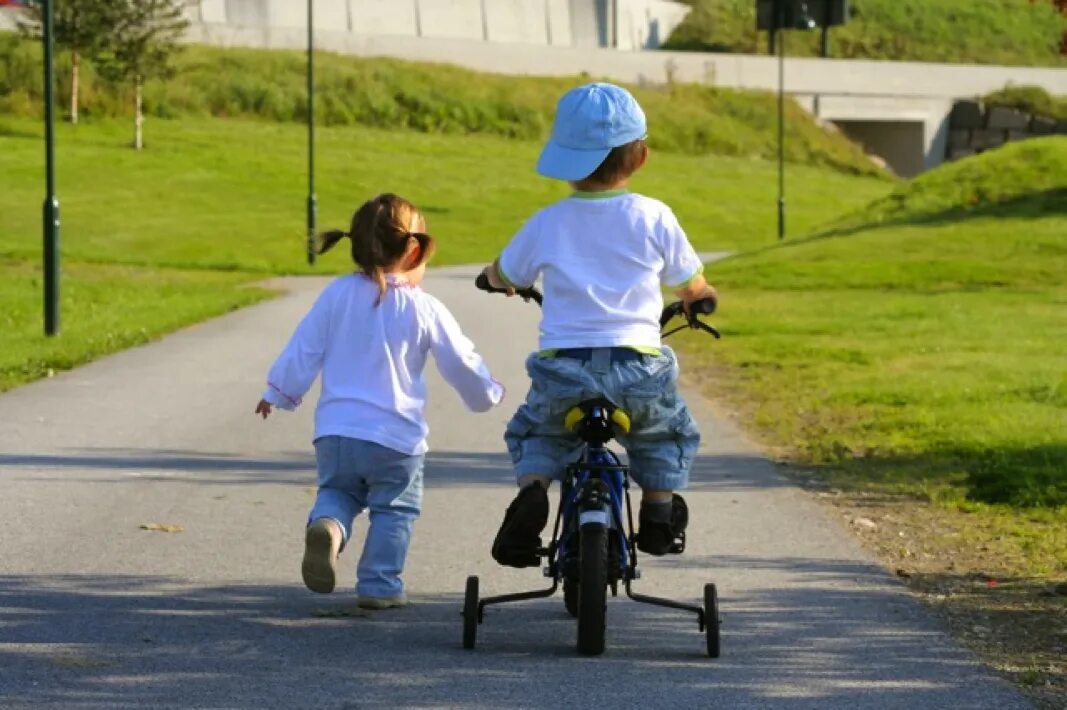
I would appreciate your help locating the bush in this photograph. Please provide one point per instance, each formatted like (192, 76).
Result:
(1035, 100)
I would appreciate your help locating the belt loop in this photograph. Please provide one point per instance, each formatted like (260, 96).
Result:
(600, 362)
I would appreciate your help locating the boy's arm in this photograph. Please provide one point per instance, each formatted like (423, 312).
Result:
(695, 289)
(493, 274)
(460, 364)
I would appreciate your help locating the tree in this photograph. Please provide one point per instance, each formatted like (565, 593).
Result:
(80, 26)
(140, 45)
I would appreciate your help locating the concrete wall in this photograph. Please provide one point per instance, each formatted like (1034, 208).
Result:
(623, 24)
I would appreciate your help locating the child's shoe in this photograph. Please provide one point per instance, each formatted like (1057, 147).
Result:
(658, 537)
(379, 603)
(519, 538)
(322, 542)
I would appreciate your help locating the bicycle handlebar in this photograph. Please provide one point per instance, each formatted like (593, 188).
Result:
(482, 282)
(704, 306)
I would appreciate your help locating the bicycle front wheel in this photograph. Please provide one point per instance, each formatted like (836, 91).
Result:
(592, 589)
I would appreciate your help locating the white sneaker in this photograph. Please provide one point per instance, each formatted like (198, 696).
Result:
(378, 603)
(322, 542)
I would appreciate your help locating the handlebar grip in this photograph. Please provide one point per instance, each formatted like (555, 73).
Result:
(482, 283)
(705, 306)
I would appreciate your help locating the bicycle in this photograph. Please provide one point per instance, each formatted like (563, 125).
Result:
(593, 548)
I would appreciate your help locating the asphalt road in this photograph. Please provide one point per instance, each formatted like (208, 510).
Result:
(97, 612)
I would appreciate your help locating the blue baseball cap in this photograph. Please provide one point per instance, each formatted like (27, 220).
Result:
(590, 121)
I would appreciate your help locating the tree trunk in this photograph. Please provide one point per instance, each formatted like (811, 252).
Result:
(74, 86)
(138, 118)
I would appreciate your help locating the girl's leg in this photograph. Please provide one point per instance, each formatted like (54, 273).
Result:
(395, 501)
(341, 496)
(342, 491)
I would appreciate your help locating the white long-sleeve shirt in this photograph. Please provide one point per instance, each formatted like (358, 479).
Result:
(372, 359)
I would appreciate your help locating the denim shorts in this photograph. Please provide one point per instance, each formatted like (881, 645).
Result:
(663, 437)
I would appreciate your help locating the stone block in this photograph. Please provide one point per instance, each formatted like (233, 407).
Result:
(984, 139)
(966, 114)
(959, 138)
(1004, 118)
(1061, 128)
(1019, 135)
(1042, 125)
(960, 153)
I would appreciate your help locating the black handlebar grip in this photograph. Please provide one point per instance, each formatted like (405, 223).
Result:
(705, 306)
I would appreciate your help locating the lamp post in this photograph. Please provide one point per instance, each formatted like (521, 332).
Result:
(312, 205)
(51, 203)
(776, 16)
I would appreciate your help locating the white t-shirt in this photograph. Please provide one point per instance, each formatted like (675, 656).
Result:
(604, 261)
(372, 358)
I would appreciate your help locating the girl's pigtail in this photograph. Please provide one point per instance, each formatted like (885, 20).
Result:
(325, 241)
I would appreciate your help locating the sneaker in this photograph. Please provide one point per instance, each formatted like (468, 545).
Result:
(322, 542)
(658, 538)
(379, 603)
(518, 542)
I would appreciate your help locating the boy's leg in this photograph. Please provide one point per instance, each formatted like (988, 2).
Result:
(395, 501)
(539, 446)
(341, 496)
(661, 445)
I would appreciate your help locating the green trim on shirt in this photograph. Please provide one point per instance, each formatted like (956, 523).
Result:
(685, 284)
(601, 195)
(643, 349)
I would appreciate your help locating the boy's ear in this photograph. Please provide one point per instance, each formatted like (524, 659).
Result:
(644, 155)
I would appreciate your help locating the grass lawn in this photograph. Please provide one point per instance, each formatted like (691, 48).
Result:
(230, 194)
(103, 309)
(912, 368)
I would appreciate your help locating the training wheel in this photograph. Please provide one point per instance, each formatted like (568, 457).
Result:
(711, 619)
(470, 612)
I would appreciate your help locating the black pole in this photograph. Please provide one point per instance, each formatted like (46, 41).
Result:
(51, 203)
(312, 206)
(781, 120)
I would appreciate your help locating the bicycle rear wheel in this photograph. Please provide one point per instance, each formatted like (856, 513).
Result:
(593, 589)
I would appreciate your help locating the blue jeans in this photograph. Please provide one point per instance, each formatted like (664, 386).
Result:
(355, 475)
(663, 437)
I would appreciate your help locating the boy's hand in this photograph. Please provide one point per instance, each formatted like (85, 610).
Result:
(495, 281)
(697, 289)
(263, 408)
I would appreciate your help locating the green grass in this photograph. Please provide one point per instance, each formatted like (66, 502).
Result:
(103, 309)
(427, 98)
(230, 194)
(923, 354)
(1013, 32)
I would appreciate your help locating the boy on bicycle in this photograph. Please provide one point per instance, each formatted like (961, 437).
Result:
(603, 254)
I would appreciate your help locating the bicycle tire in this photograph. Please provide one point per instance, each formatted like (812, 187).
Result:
(592, 589)
(570, 597)
(711, 620)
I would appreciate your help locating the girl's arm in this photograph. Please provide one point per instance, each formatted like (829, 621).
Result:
(297, 367)
(459, 363)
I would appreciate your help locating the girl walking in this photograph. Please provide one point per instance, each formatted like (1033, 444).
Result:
(369, 334)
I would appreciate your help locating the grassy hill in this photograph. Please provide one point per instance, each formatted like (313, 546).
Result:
(918, 346)
(1014, 32)
(421, 97)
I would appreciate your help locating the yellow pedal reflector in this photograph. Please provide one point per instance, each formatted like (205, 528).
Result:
(622, 420)
(573, 418)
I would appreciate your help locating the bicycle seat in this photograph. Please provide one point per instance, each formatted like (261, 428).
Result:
(597, 421)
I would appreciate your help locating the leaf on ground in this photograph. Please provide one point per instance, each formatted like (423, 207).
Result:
(340, 613)
(162, 527)
(70, 660)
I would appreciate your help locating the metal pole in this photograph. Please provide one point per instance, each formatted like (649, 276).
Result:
(51, 203)
(781, 120)
(312, 206)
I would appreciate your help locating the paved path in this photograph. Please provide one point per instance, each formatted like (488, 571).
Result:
(98, 613)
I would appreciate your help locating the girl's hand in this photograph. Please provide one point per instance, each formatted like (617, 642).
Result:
(263, 408)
